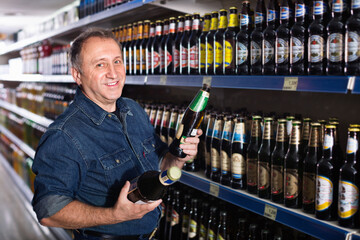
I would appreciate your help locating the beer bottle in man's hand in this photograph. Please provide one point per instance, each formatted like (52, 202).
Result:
(191, 121)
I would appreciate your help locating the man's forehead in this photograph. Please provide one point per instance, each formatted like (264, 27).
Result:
(100, 45)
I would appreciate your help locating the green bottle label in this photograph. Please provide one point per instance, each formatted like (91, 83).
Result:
(200, 101)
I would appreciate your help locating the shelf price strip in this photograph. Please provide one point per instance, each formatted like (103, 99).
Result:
(207, 80)
(214, 189)
(270, 212)
(290, 83)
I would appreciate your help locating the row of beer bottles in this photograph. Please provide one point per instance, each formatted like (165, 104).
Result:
(189, 214)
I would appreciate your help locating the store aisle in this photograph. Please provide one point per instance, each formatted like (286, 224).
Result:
(17, 220)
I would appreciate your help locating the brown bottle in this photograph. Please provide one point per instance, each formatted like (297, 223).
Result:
(252, 155)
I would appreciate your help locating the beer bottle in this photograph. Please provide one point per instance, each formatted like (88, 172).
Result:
(148, 49)
(229, 45)
(213, 224)
(193, 46)
(194, 227)
(152, 185)
(254, 232)
(218, 43)
(164, 124)
(175, 228)
(311, 159)
(126, 48)
(293, 169)
(327, 177)
(289, 120)
(252, 155)
(123, 36)
(204, 33)
(225, 156)
(352, 45)
(256, 38)
(167, 213)
(305, 134)
(348, 206)
(191, 121)
(277, 163)
(264, 159)
(204, 219)
(132, 49)
(268, 44)
(216, 148)
(162, 45)
(238, 154)
(137, 45)
(202, 144)
(208, 138)
(222, 233)
(243, 40)
(153, 114)
(282, 41)
(172, 124)
(168, 48)
(242, 230)
(209, 67)
(335, 41)
(317, 40)
(298, 41)
(143, 45)
(323, 124)
(338, 153)
(158, 116)
(155, 49)
(185, 218)
(184, 44)
(176, 45)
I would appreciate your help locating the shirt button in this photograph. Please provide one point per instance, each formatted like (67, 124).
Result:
(117, 161)
(153, 145)
(109, 115)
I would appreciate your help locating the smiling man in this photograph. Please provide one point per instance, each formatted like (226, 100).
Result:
(87, 156)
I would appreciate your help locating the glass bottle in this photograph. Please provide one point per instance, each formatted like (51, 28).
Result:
(209, 67)
(252, 155)
(194, 46)
(184, 44)
(208, 140)
(218, 43)
(216, 148)
(203, 49)
(177, 44)
(168, 47)
(229, 44)
(225, 155)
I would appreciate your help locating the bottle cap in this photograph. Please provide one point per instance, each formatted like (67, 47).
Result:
(174, 173)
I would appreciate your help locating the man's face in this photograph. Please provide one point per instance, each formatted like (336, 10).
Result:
(103, 73)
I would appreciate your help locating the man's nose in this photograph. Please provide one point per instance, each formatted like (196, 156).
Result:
(112, 71)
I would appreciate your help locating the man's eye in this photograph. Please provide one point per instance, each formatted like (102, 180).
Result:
(100, 65)
(117, 61)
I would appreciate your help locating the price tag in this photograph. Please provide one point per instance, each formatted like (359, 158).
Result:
(163, 79)
(207, 80)
(270, 212)
(214, 189)
(290, 83)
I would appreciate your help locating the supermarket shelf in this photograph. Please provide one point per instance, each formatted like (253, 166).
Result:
(37, 78)
(26, 114)
(291, 217)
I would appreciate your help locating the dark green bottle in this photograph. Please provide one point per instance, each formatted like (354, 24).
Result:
(252, 155)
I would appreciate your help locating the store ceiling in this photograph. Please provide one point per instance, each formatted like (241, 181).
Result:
(17, 14)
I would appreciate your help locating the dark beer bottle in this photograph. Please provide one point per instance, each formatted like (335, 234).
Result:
(123, 36)
(242, 230)
(208, 138)
(164, 37)
(225, 155)
(323, 124)
(338, 153)
(176, 45)
(264, 159)
(229, 45)
(155, 49)
(137, 45)
(335, 41)
(158, 117)
(153, 114)
(254, 233)
(305, 134)
(209, 67)
(293, 169)
(184, 44)
(268, 44)
(172, 124)
(168, 49)
(175, 228)
(238, 154)
(243, 40)
(126, 48)
(349, 183)
(218, 43)
(277, 163)
(352, 33)
(191, 121)
(256, 39)
(164, 124)
(327, 178)
(167, 213)
(289, 120)
(282, 49)
(298, 41)
(204, 33)
(213, 224)
(194, 227)
(222, 233)
(185, 217)
(311, 159)
(216, 148)
(152, 185)
(143, 56)
(317, 40)
(252, 155)
(148, 48)
(131, 50)
(194, 46)
(204, 220)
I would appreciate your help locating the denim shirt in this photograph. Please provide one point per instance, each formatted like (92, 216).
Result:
(87, 154)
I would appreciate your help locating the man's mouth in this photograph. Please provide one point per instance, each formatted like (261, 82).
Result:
(112, 84)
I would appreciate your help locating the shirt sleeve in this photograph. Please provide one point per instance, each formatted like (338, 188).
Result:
(59, 169)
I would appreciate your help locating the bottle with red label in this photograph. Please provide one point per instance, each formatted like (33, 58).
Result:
(218, 43)
(162, 45)
(126, 48)
(204, 33)
(136, 50)
(184, 44)
(143, 56)
(155, 49)
(209, 66)
(194, 46)
(229, 44)
(168, 47)
(148, 48)
(176, 45)
(131, 50)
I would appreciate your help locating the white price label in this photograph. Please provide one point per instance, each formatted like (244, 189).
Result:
(207, 80)
(214, 189)
(290, 83)
(163, 79)
(270, 212)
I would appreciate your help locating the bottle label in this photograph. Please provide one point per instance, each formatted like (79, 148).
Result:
(219, 237)
(194, 57)
(244, 19)
(319, 7)
(238, 165)
(225, 162)
(316, 48)
(271, 15)
(297, 47)
(284, 13)
(352, 46)
(176, 54)
(268, 51)
(192, 229)
(300, 10)
(174, 218)
(239, 136)
(355, 4)
(168, 58)
(259, 17)
(162, 58)
(227, 133)
(242, 53)
(172, 27)
(352, 146)
(164, 179)
(156, 59)
(309, 187)
(282, 50)
(324, 193)
(264, 175)
(217, 129)
(233, 20)
(215, 159)
(185, 224)
(228, 53)
(335, 47)
(255, 52)
(180, 27)
(210, 55)
(328, 142)
(143, 59)
(200, 101)
(187, 25)
(214, 23)
(223, 22)
(218, 54)
(202, 232)
(337, 6)
(202, 55)
(211, 235)
(251, 171)
(184, 57)
(348, 199)
(137, 59)
(277, 179)
(196, 23)
(291, 183)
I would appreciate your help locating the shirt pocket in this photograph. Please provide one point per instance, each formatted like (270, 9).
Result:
(150, 152)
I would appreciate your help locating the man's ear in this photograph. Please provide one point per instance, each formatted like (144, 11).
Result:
(76, 75)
